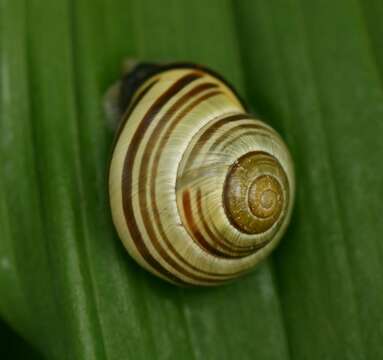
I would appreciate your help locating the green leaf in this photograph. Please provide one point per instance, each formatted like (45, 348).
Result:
(14, 347)
(312, 69)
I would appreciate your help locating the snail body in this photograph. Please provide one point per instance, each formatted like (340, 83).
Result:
(200, 191)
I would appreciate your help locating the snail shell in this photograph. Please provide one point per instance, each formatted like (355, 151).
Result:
(200, 191)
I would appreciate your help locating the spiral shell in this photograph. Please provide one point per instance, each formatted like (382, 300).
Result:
(200, 191)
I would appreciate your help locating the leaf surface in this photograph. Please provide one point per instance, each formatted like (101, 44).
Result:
(312, 69)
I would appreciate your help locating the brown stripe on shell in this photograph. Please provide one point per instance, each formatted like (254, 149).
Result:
(194, 230)
(143, 175)
(233, 140)
(211, 130)
(223, 137)
(127, 175)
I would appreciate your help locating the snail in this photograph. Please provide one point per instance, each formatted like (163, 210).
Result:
(200, 190)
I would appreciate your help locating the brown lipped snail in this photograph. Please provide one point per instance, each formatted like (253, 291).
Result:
(200, 191)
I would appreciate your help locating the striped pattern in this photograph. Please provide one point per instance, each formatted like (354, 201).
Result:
(181, 135)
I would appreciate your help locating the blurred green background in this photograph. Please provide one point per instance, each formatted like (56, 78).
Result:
(312, 68)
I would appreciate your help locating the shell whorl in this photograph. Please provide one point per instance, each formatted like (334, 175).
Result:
(200, 191)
